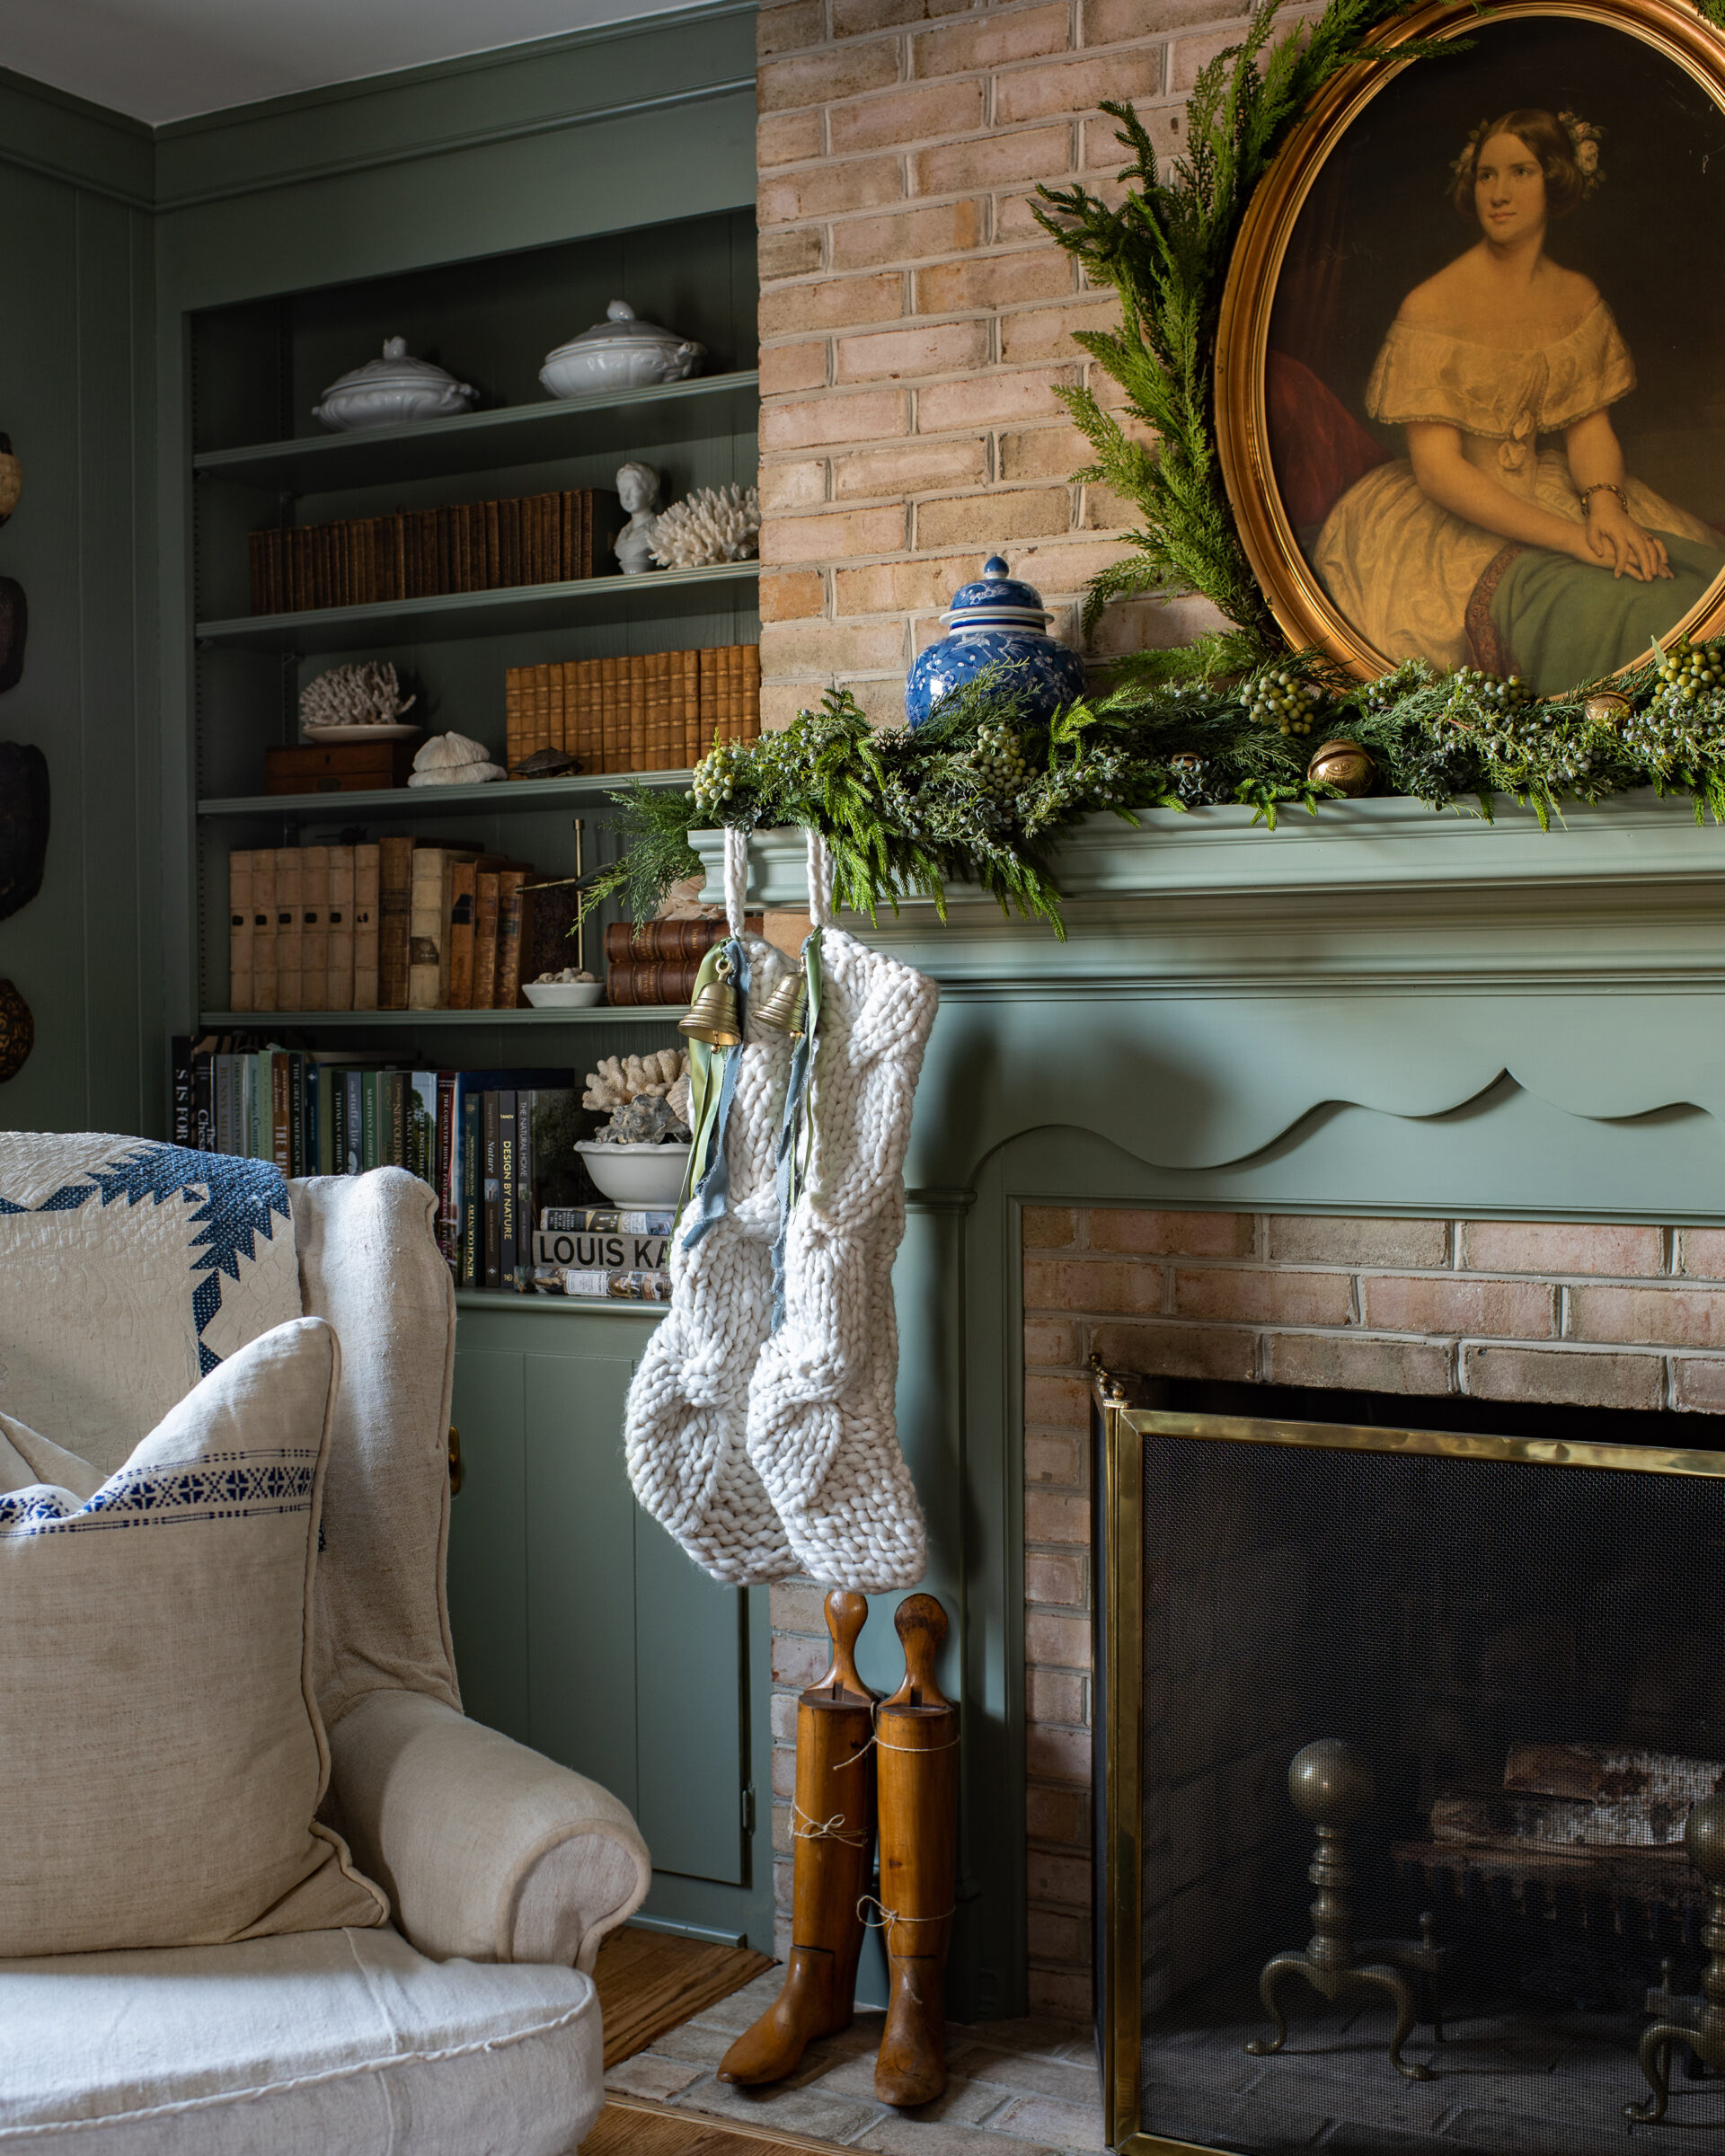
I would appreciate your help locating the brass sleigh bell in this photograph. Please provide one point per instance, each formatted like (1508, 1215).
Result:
(788, 1006)
(713, 1015)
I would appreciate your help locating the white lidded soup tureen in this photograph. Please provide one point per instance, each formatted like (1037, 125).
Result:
(621, 352)
(394, 391)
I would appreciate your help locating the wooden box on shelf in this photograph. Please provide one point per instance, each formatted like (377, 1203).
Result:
(337, 766)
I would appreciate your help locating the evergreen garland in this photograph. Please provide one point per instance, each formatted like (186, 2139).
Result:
(980, 793)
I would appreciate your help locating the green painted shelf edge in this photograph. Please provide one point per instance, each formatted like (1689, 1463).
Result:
(421, 801)
(599, 1014)
(522, 608)
(519, 434)
(492, 1298)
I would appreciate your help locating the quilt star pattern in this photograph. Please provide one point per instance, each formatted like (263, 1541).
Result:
(129, 1269)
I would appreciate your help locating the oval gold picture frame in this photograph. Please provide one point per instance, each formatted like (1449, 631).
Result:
(1303, 610)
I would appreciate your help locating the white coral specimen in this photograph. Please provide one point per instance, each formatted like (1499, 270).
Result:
(713, 524)
(620, 1079)
(367, 695)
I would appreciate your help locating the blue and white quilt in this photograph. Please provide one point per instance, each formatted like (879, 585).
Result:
(129, 1269)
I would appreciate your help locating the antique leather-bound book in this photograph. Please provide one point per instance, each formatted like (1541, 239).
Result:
(315, 928)
(337, 994)
(239, 930)
(394, 915)
(289, 906)
(367, 875)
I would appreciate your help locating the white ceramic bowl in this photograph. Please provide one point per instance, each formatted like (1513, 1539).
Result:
(562, 995)
(636, 1175)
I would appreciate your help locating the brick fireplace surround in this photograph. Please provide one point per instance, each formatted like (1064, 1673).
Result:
(913, 324)
(1600, 1316)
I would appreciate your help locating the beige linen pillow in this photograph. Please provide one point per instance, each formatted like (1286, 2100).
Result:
(161, 1754)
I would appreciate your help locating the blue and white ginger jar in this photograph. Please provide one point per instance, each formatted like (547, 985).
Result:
(996, 622)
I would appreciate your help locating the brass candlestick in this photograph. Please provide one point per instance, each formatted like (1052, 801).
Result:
(1702, 2026)
(1332, 1783)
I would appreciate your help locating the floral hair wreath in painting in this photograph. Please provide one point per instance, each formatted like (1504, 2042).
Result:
(1285, 704)
(1584, 139)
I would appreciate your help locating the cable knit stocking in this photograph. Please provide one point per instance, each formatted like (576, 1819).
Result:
(685, 1426)
(822, 1430)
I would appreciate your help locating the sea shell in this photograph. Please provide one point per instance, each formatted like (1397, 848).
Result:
(1608, 707)
(453, 760)
(1343, 764)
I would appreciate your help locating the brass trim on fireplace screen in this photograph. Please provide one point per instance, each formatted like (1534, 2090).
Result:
(1120, 1528)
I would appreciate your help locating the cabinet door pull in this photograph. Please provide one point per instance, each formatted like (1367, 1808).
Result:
(457, 1473)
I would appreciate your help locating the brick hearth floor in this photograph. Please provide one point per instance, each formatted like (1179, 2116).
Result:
(1016, 2087)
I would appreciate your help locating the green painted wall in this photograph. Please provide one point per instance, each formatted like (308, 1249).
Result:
(76, 388)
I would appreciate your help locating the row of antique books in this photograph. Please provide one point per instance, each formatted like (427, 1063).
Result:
(656, 961)
(658, 711)
(399, 924)
(497, 1146)
(419, 553)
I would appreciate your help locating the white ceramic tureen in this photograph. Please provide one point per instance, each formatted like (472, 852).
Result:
(391, 391)
(620, 353)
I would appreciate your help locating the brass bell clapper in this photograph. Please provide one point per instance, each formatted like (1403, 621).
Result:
(1696, 2022)
(1332, 1783)
(714, 1016)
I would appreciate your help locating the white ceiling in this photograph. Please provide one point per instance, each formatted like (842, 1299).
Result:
(167, 59)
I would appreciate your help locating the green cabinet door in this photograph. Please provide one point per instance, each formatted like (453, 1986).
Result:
(579, 1627)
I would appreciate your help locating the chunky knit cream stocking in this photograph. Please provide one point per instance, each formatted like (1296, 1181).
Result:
(685, 1426)
(822, 1430)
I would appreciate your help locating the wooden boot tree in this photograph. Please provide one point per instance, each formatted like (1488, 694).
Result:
(833, 1826)
(918, 1755)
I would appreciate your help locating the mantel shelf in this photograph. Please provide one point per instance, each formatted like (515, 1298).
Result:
(479, 441)
(498, 798)
(522, 609)
(1348, 850)
(358, 1021)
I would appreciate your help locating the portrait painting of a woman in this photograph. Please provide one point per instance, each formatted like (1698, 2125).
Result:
(1493, 357)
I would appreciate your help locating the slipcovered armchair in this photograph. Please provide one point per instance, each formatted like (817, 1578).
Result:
(470, 2023)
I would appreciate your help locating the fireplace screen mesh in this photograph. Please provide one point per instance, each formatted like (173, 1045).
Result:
(1513, 1672)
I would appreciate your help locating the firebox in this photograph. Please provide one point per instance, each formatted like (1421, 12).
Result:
(1409, 1777)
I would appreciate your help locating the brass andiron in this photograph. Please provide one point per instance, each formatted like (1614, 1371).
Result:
(1702, 2025)
(1332, 1783)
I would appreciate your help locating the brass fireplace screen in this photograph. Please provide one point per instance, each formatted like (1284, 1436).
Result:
(1410, 1787)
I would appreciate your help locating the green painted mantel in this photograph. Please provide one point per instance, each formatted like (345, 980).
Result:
(1380, 1009)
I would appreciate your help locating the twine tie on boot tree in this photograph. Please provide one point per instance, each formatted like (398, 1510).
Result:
(684, 1427)
(832, 1864)
(916, 1770)
(822, 1427)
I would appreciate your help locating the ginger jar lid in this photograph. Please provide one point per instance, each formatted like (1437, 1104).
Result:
(997, 600)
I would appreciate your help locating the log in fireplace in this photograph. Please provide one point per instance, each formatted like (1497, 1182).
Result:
(1459, 1689)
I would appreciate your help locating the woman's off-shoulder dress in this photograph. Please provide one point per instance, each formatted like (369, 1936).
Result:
(1418, 581)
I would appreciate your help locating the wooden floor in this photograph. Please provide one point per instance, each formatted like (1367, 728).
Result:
(630, 2125)
(651, 1981)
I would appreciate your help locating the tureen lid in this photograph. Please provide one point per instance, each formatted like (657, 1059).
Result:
(621, 326)
(997, 597)
(396, 370)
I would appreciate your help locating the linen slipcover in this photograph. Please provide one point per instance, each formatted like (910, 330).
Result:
(314, 2044)
(560, 1865)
